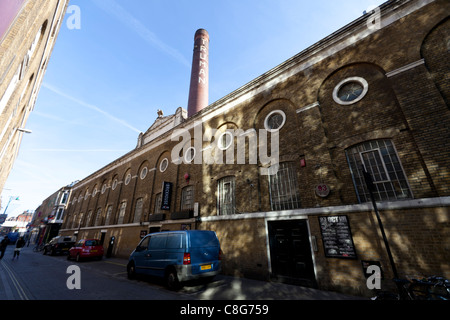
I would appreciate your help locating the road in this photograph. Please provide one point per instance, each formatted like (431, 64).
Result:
(34, 276)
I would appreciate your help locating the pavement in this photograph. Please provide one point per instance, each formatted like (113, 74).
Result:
(226, 287)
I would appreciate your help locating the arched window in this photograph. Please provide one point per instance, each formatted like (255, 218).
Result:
(226, 196)
(379, 158)
(283, 187)
(138, 210)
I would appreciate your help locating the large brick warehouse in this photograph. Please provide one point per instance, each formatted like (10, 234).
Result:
(373, 95)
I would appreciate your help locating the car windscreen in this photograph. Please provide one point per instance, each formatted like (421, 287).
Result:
(91, 243)
(204, 239)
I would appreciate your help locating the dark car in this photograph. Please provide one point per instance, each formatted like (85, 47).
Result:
(59, 245)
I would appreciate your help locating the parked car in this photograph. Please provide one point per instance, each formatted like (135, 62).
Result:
(177, 256)
(86, 248)
(59, 245)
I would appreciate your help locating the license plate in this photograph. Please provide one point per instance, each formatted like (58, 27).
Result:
(206, 267)
(93, 250)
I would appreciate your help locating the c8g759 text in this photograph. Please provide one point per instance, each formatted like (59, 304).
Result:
(243, 309)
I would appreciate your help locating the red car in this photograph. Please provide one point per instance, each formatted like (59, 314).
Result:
(86, 248)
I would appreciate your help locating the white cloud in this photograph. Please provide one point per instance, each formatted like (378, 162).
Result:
(90, 106)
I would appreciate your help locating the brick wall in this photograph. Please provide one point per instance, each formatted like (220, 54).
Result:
(403, 104)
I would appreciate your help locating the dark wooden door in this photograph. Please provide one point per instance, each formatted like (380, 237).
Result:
(290, 252)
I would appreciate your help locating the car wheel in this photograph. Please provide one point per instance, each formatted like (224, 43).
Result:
(78, 258)
(172, 280)
(131, 271)
(45, 251)
(68, 256)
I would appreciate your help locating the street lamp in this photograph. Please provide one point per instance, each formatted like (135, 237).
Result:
(24, 130)
(10, 199)
(371, 187)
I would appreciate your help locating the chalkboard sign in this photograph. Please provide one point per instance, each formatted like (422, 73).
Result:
(337, 237)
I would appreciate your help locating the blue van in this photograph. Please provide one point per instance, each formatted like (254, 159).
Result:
(177, 256)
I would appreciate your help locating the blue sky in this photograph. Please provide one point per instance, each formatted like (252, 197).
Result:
(106, 80)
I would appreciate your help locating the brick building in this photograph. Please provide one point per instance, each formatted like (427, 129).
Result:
(49, 216)
(28, 31)
(275, 167)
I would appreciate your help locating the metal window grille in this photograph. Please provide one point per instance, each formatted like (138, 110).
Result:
(187, 198)
(226, 198)
(381, 161)
(283, 187)
(158, 200)
(98, 217)
(138, 210)
(123, 206)
(88, 219)
(108, 215)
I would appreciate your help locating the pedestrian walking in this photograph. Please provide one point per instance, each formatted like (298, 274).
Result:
(3, 245)
(19, 245)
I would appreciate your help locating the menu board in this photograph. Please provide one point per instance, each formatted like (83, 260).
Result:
(337, 237)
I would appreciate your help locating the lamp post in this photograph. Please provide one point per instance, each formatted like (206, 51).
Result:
(10, 199)
(371, 188)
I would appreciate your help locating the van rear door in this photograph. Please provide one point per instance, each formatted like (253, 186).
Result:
(204, 249)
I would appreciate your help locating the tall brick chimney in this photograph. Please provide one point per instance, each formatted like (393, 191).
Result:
(198, 91)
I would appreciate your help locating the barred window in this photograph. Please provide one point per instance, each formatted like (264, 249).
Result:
(138, 210)
(226, 198)
(88, 219)
(283, 187)
(108, 215)
(158, 200)
(123, 206)
(187, 198)
(98, 217)
(381, 161)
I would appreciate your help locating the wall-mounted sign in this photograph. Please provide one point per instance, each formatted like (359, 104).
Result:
(337, 237)
(322, 190)
(166, 195)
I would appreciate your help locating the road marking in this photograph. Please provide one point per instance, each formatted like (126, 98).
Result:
(15, 282)
(8, 291)
(119, 264)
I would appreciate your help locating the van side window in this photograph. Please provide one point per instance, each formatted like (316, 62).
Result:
(157, 242)
(144, 244)
(175, 241)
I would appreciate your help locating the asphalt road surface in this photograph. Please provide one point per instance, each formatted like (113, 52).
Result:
(34, 276)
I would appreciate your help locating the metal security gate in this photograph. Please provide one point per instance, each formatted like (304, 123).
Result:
(290, 252)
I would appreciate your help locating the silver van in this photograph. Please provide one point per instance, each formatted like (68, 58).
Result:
(177, 256)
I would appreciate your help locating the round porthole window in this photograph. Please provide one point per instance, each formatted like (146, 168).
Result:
(225, 140)
(128, 179)
(350, 90)
(275, 120)
(144, 172)
(190, 155)
(163, 165)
